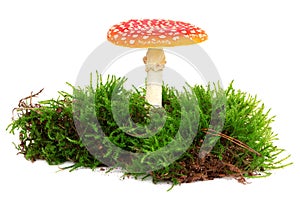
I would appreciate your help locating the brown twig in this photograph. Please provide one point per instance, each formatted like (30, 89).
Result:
(233, 140)
(21, 102)
(22, 105)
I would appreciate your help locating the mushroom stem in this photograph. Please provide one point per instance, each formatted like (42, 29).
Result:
(155, 63)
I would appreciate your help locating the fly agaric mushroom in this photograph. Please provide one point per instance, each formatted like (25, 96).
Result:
(154, 34)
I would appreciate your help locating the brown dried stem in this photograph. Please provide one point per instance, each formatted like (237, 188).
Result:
(233, 140)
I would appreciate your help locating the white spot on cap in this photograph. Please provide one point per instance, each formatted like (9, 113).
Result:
(162, 36)
(192, 31)
(145, 37)
(123, 38)
(124, 34)
(175, 38)
(131, 41)
(116, 36)
(135, 36)
(183, 31)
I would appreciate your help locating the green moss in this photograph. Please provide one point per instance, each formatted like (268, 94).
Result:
(49, 130)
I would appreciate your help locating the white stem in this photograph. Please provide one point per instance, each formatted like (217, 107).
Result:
(155, 63)
(154, 88)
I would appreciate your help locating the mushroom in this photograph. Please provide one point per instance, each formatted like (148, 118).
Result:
(154, 34)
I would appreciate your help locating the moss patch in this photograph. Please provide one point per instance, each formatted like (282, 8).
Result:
(243, 147)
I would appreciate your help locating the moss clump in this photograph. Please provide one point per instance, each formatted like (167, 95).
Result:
(243, 146)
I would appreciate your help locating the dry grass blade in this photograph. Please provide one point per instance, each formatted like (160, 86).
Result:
(233, 140)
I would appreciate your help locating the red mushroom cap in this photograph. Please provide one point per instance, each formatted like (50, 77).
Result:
(155, 33)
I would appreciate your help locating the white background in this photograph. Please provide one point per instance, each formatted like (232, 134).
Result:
(44, 43)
